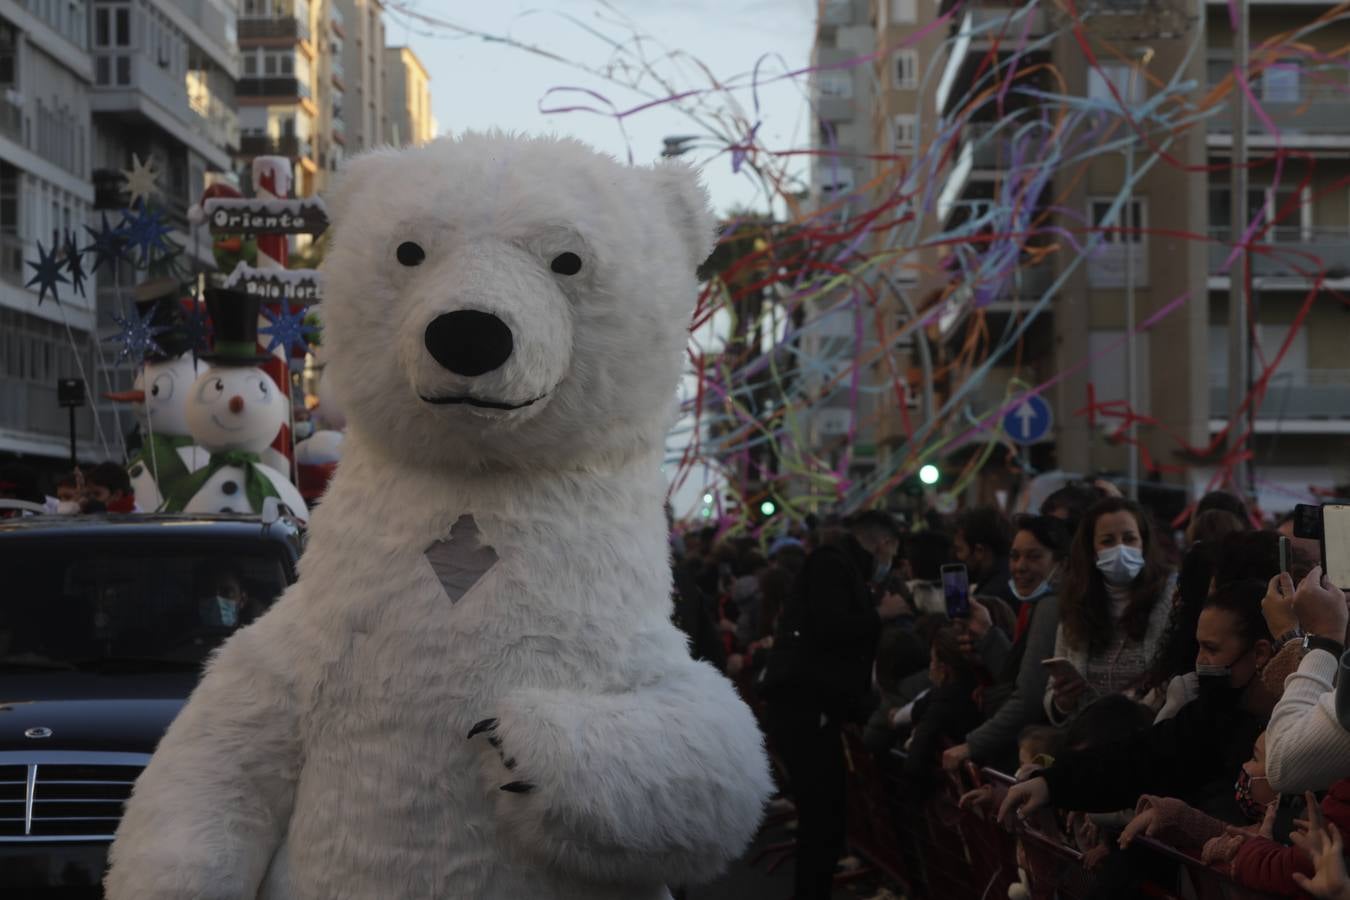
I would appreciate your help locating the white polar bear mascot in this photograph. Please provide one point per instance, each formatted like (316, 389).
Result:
(475, 689)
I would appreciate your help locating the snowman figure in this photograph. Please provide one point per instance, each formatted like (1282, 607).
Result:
(234, 411)
(167, 454)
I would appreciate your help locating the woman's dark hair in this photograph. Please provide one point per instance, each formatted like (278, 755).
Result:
(1242, 600)
(1215, 524)
(1223, 500)
(1085, 606)
(1074, 500)
(1048, 531)
(1107, 721)
(1247, 555)
(1176, 651)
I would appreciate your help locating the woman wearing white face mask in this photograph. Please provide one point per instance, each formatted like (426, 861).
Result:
(1113, 608)
(1039, 548)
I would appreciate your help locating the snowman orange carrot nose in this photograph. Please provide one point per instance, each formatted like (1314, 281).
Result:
(236, 404)
(125, 396)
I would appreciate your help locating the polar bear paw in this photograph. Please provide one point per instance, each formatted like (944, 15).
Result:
(488, 727)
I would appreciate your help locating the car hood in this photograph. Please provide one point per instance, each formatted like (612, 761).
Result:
(127, 714)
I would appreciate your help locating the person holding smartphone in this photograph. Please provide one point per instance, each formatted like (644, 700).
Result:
(1113, 611)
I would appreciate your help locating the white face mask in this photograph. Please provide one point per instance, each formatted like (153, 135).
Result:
(68, 507)
(229, 611)
(1037, 592)
(1120, 564)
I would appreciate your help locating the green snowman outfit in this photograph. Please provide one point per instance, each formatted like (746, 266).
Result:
(158, 300)
(234, 315)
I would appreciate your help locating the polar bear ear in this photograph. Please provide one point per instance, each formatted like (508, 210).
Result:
(348, 181)
(686, 202)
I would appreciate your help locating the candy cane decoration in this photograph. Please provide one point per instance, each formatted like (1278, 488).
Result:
(272, 182)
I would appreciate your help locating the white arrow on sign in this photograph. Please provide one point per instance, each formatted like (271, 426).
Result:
(1026, 415)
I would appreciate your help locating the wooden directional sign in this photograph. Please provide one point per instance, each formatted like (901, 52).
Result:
(300, 286)
(229, 215)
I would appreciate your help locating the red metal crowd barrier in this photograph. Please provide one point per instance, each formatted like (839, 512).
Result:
(924, 842)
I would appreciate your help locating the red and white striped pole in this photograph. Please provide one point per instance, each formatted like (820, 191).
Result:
(272, 177)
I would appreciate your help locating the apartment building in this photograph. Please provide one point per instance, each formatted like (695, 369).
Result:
(285, 80)
(363, 62)
(407, 98)
(1140, 227)
(87, 86)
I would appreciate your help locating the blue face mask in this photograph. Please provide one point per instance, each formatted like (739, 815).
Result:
(883, 569)
(1038, 592)
(229, 612)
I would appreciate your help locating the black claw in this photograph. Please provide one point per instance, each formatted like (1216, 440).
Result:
(518, 787)
(482, 726)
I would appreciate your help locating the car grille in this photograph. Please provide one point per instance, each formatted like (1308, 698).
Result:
(63, 801)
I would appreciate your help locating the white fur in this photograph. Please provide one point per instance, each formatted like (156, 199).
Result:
(324, 753)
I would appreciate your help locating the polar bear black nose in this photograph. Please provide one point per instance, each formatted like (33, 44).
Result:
(468, 342)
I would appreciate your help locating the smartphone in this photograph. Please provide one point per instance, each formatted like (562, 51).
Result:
(1336, 544)
(1308, 521)
(956, 590)
(1284, 555)
(1060, 668)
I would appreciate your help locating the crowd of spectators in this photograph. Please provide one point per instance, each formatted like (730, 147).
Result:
(1139, 683)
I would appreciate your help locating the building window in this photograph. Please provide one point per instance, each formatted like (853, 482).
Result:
(905, 125)
(903, 12)
(1120, 239)
(835, 84)
(1129, 84)
(123, 19)
(1280, 82)
(906, 69)
(835, 179)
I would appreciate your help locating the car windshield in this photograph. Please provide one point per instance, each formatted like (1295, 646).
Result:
(149, 605)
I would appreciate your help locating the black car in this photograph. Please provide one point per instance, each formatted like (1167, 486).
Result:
(105, 623)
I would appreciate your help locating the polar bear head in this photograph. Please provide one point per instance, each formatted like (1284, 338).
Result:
(492, 300)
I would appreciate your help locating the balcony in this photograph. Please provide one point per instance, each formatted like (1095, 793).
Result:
(287, 145)
(1319, 111)
(11, 116)
(1299, 394)
(287, 87)
(214, 120)
(339, 130)
(976, 35)
(339, 73)
(834, 109)
(335, 20)
(1288, 254)
(275, 28)
(12, 250)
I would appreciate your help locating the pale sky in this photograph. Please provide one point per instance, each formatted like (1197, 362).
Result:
(478, 84)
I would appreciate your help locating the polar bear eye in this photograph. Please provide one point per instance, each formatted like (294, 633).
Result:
(410, 253)
(566, 264)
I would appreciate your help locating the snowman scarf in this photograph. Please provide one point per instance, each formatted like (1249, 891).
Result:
(257, 486)
(159, 453)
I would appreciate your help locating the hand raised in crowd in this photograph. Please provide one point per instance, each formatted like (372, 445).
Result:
(1024, 799)
(1278, 605)
(1326, 850)
(955, 757)
(1320, 606)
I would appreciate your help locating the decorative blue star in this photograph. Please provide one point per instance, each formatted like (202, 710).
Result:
(197, 327)
(109, 244)
(74, 264)
(47, 273)
(146, 232)
(137, 335)
(287, 329)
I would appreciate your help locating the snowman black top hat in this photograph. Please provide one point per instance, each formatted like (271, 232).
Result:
(157, 299)
(235, 317)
